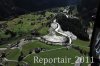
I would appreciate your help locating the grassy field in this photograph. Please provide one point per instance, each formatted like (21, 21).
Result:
(81, 43)
(23, 25)
(64, 52)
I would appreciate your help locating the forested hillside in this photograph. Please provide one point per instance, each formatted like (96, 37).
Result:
(10, 8)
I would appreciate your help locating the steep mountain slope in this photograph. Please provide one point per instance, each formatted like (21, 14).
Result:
(72, 24)
(9, 8)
